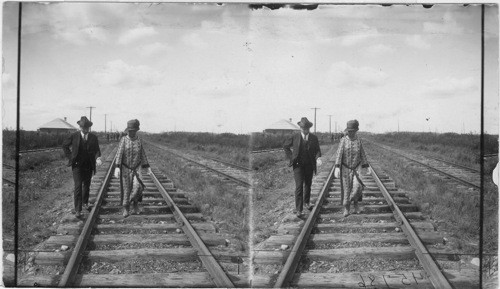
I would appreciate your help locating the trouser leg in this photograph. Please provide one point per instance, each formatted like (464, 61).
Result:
(127, 187)
(136, 195)
(77, 193)
(347, 186)
(87, 177)
(298, 174)
(357, 190)
(308, 175)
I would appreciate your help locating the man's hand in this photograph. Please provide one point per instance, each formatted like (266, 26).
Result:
(319, 162)
(98, 162)
(336, 173)
(150, 172)
(117, 173)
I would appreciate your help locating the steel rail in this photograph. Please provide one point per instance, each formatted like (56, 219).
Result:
(230, 164)
(453, 164)
(430, 167)
(266, 151)
(74, 262)
(9, 181)
(39, 150)
(436, 277)
(241, 182)
(214, 269)
(9, 168)
(490, 155)
(293, 259)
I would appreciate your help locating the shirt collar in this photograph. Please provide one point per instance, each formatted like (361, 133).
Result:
(304, 136)
(83, 135)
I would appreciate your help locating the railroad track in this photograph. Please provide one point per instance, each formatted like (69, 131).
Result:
(383, 247)
(267, 151)
(469, 177)
(164, 246)
(8, 174)
(40, 150)
(229, 172)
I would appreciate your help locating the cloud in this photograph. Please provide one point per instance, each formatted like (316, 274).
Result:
(72, 23)
(194, 39)
(135, 34)
(343, 74)
(119, 73)
(81, 36)
(152, 48)
(360, 34)
(379, 49)
(450, 87)
(417, 41)
(448, 26)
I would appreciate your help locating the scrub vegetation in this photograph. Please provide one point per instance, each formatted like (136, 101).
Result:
(463, 149)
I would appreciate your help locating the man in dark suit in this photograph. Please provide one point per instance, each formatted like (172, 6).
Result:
(83, 152)
(304, 158)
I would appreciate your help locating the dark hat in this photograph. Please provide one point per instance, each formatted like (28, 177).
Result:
(305, 123)
(84, 122)
(352, 125)
(132, 125)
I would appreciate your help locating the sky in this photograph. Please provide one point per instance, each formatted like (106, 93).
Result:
(229, 68)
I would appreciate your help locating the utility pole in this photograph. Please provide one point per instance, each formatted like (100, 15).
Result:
(105, 122)
(315, 123)
(91, 107)
(335, 127)
(330, 116)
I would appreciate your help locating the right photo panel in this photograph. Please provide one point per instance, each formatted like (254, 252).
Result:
(375, 146)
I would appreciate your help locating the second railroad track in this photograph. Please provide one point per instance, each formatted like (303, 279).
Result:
(227, 171)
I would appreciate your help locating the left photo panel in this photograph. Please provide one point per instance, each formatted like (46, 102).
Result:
(127, 164)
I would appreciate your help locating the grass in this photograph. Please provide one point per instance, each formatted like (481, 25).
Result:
(462, 149)
(455, 211)
(227, 206)
(227, 147)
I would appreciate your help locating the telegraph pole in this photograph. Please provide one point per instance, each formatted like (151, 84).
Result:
(315, 123)
(330, 116)
(91, 107)
(105, 122)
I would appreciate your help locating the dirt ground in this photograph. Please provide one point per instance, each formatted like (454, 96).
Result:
(45, 196)
(273, 191)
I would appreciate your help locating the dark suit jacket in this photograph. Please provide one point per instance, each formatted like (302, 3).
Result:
(71, 144)
(294, 142)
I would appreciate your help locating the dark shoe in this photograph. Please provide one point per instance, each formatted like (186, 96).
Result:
(78, 214)
(357, 209)
(299, 214)
(137, 210)
(309, 206)
(87, 207)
